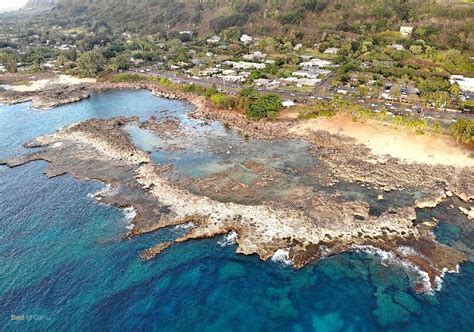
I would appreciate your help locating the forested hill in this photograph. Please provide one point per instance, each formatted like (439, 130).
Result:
(448, 23)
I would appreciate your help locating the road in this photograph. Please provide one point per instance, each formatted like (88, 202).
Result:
(319, 92)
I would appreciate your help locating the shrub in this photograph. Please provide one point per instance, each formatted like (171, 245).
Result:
(469, 105)
(265, 106)
(221, 100)
(463, 130)
(126, 77)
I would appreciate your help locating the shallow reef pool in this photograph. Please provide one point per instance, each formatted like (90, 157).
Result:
(65, 264)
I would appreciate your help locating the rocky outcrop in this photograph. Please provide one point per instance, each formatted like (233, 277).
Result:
(47, 98)
(308, 227)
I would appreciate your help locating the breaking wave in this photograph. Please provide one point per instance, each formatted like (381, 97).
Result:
(186, 226)
(130, 213)
(282, 256)
(228, 239)
(100, 192)
(388, 258)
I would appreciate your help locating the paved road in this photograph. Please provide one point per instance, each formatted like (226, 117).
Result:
(320, 91)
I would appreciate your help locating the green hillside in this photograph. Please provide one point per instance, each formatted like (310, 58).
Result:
(446, 24)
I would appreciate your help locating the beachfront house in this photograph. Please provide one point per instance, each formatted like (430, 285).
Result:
(246, 39)
(465, 83)
(331, 50)
(288, 103)
(214, 40)
(406, 31)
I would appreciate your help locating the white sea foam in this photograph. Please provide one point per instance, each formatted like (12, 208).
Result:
(101, 192)
(388, 258)
(228, 240)
(130, 213)
(186, 226)
(282, 256)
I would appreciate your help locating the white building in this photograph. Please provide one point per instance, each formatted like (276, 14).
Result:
(229, 72)
(397, 47)
(331, 50)
(288, 103)
(305, 73)
(316, 63)
(261, 81)
(465, 83)
(214, 40)
(257, 55)
(406, 31)
(245, 65)
(246, 39)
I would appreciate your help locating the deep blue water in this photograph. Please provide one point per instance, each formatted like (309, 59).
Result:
(65, 266)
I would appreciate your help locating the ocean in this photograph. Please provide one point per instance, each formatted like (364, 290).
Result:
(66, 266)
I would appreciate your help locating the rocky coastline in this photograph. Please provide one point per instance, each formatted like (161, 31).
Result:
(306, 228)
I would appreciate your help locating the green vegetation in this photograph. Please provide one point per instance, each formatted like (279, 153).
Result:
(9, 61)
(469, 105)
(256, 106)
(463, 130)
(126, 77)
(265, 106)
(90, 63)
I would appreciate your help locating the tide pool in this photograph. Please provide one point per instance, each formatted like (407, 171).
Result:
(65, 264)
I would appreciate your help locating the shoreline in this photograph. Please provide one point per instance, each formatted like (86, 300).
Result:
(101, 149)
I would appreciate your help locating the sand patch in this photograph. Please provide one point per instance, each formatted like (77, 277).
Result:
(41, 84)
(384, 139)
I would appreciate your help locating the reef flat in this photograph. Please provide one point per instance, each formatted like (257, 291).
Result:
(299, 228)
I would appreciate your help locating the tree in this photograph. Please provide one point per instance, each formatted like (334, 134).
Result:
(265, 106)
(455, 91)
(463, 130)
(61, 60)
(90, 63)
(395, 92)
(120, 62)
(416, 49)
(9, 61)
(438, 99)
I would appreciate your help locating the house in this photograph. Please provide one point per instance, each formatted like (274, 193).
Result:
(245, 65)
(406, 31)
(288, 103)
(257, 55)
(305, 73)
(397, 47)
(64, 48)
(465, 83)
(228, 72)
(331, 50)
(261, 81)
(307, 82)
(316, 63)
(246, 39)
(214, 40)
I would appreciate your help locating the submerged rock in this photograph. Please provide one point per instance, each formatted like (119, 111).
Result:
(301, 228)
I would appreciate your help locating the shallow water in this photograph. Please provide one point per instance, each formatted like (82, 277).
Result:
(65, 266)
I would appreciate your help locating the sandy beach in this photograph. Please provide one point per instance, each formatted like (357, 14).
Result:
(385, 139)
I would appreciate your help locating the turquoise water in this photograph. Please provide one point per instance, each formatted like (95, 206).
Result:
(65, 266)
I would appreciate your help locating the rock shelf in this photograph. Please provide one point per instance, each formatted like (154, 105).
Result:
(308, 227)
